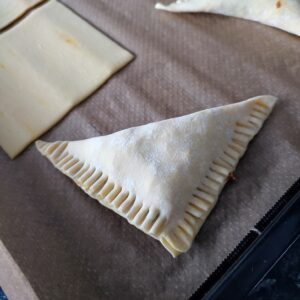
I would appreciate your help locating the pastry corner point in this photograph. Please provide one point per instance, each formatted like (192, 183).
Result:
(160, 6)
(268, 100)
(40, 145)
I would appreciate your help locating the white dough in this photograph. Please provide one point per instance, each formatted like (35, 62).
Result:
(168, 173)
(283, 14)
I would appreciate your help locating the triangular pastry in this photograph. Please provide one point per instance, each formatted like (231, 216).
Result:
(283, 14)
(164, 177)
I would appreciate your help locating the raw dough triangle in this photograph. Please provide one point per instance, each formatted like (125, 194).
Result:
(164, 177)
(283, 14)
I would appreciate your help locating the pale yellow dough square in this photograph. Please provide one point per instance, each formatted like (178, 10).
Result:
(49, 62)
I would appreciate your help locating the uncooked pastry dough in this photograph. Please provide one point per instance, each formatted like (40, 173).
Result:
(283, 14)
(10, 10)
(164, 177)
(49, 62)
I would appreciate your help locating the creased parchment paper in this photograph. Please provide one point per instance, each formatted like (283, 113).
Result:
(70, 247)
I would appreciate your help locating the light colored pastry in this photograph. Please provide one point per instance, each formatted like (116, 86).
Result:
(164, 177)
(49, 62)
(283, 14)
(11, 10)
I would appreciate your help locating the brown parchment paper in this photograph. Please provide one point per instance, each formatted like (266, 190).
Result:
(70, 247)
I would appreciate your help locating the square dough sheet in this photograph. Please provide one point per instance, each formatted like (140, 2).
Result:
(49, 62)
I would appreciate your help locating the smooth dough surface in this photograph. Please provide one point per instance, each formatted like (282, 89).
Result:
(49, 62)
(283, 14)
(10, 10)
(164, 177)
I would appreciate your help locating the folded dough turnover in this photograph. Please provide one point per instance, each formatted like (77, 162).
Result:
(49, 62)
(11, 10)
(283, 14)
(164, 177)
